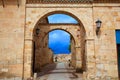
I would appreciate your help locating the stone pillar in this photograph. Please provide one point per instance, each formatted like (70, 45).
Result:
(90, 62)
(28, 59)
(78, 59)
(73, 53)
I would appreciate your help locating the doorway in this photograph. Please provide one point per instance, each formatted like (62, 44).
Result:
(118, 53)
(33, 66)
(118, 49)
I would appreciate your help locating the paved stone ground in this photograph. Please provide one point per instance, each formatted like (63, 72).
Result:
(58, 71)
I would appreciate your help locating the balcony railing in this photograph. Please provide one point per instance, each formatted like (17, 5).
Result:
(58, 1)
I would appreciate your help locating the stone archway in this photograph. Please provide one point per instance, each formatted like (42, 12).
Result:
(68, 28)
(72, 41)
(72, 54)
(77, 31)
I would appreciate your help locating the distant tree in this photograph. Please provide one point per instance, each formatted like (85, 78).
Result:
(69, 47)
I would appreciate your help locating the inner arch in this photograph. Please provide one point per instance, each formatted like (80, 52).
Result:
(59, 41)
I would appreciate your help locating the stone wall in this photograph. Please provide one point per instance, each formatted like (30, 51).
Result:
(103, 63)
(43, 55)
(105, 43)
(100, 50)
(12, 22)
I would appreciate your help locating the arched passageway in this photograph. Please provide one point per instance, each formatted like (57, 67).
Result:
(41, 40)
(40, 56)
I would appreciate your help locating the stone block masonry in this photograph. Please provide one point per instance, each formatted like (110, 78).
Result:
(99, 53)
(12, 22)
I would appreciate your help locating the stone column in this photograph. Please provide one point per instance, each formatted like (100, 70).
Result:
(73, 53)
(78, 59)
(28, 58)
(90, 62)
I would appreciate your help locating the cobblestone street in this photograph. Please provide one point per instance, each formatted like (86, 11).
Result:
(59, 71)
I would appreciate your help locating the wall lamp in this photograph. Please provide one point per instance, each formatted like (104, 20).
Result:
(98, 25)
(37, 31)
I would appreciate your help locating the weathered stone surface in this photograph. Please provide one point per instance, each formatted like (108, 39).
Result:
(98, 52)
(11, 40)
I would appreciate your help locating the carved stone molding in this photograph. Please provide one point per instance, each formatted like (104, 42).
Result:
(11, 2)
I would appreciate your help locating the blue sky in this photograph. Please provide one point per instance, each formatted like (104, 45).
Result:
(59, 40)
(61, 18)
